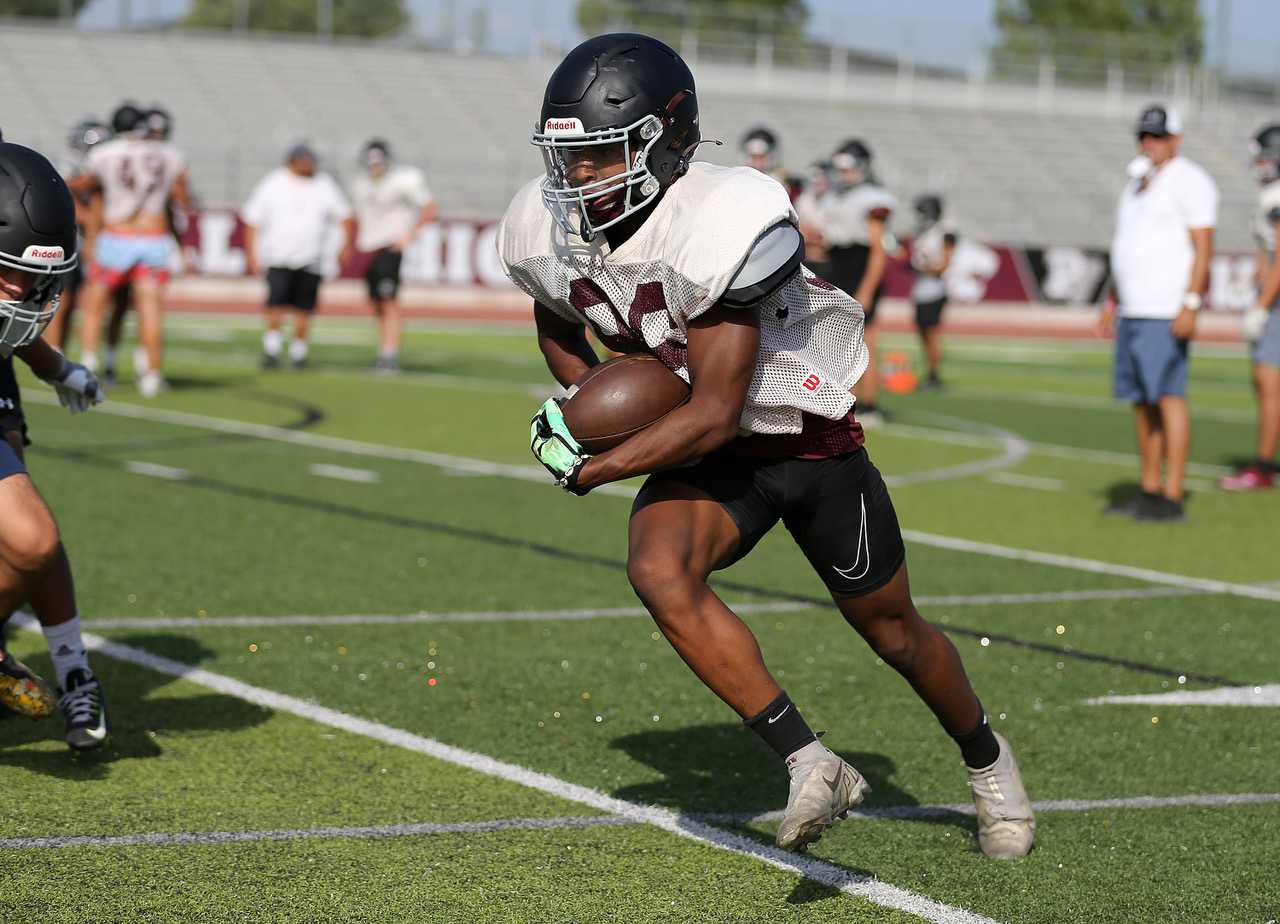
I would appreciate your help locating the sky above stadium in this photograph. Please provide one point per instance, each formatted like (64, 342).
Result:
(942, 32)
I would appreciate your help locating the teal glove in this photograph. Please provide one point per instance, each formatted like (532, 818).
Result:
(555, 447)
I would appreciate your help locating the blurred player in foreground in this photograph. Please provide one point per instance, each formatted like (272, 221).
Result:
(37, 251)
(1261, 323)
(702, 267)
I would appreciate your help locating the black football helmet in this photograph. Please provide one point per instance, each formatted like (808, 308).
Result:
(928, 209)
(37, 235)
(620, 89)
(1265, 151)
(851, 155)
(127, 118)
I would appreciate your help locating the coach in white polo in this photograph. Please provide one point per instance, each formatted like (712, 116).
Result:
(1159, 268)
(288, 220)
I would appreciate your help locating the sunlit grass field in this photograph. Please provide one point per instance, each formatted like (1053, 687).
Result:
(365, 663)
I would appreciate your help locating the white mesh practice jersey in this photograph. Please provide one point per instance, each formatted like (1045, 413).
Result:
(1265, 216)
(844, 215)
(136, 176)
(675, 267)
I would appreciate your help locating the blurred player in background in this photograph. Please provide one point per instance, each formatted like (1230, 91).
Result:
(702, 267)
(392, 204)
(808, 206)
(37, 251)
(760, 151)
(138, 176)
(70, 164)
(855, 223)
(288, 219)
(1261, 323)
(932, 244)
(1159, 268)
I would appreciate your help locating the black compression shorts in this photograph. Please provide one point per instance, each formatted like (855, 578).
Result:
(837, 510)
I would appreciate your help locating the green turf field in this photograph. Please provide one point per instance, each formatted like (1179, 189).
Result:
(366, 663)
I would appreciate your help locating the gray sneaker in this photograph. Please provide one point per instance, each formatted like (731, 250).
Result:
(84, 711)
(1006, 824)
(820, 793)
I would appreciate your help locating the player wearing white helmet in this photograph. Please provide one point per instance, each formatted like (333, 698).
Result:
(1261, 323)
(37, 251)
(702, 267)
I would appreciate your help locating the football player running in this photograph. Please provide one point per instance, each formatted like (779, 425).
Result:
(702, 267)
(37, 251)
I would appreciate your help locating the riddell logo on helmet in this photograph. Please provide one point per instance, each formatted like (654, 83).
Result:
(42, 253)
(562, 126)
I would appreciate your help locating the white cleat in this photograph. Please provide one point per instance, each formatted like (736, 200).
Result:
(1006, 824)
(821, 792)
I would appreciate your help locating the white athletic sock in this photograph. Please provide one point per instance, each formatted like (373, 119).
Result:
(297, 350)
(141, 365)
(113, 353)
(272, 340)
(89, 361)
(66, 648)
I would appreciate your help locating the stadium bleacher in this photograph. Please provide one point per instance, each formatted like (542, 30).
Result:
(1015, 165)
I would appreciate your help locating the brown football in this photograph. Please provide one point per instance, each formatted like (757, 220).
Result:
(619, 398)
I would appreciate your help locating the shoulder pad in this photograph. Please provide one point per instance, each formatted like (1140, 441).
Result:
(774, 257)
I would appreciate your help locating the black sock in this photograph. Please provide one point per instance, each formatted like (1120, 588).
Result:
(1266, 466)
(781, 726)
(979, 746)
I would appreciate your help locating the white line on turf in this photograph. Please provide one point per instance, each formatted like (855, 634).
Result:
(178, 838)
(371, 619)
(341, 473)
(1040, 805)
(569, 822)
(156, 471)
(1027, 481)
(1267, 695)
(1095, 567)
(853, 883)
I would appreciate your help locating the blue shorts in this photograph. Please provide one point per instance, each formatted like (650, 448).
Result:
(120, 258)
(10, 464)
(1150, 363)
(1266, 352)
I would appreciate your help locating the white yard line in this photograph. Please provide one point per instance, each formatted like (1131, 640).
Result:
(422, 616)
(677, 823)
(569, 822)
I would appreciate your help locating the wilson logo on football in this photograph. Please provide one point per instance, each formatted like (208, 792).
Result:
(34, 252)
(564, 127)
